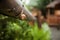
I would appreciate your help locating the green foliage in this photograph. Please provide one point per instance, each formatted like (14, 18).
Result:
(15, 29)
(39, 4)
(42, 3)
(41, 34)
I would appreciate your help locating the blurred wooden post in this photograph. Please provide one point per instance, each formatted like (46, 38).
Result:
(48, 15)
(39, 21)
(36, 13)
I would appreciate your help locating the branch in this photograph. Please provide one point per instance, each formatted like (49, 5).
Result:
(17, 6)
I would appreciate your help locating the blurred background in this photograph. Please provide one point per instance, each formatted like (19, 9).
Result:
(17, 20)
